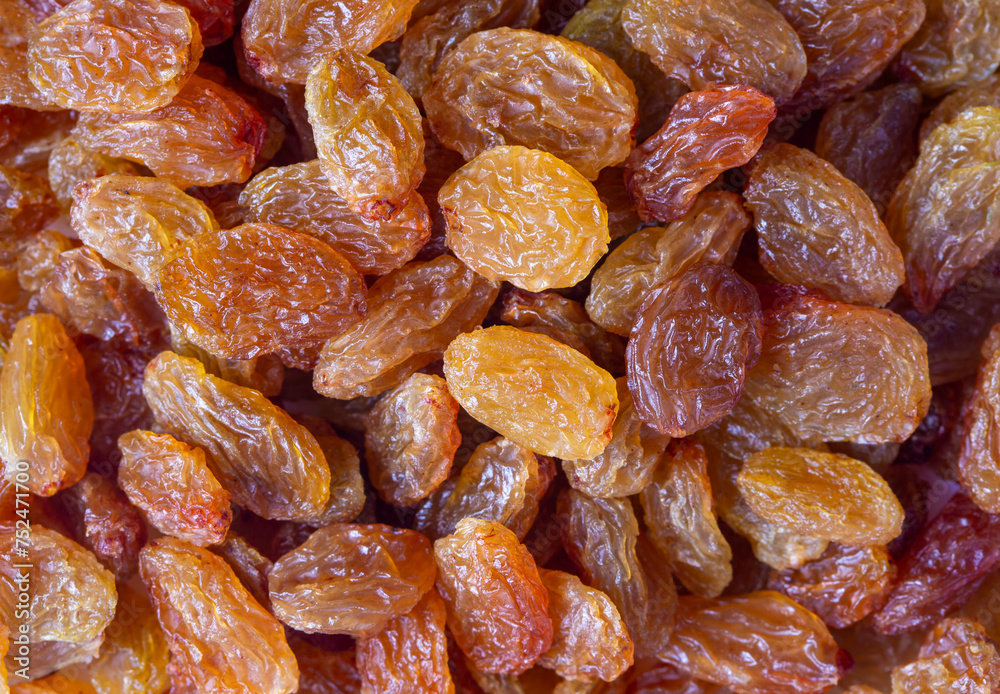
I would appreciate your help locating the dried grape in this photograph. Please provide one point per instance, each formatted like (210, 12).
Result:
(956, 656)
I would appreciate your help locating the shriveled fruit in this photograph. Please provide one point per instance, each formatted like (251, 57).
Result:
(943, 214)
(114, 56)
(19, 27)
(347, 488)
(351, 579)
(323, 671)
(71, 164)
(499, 210)
(250, 566)
(28, 202)
(269, 463)
(520, 87)
(411, 436)
(590, 639)
(38, 256)
(409, 654)
(720, 41)
(980, 93)
(50, 656)
(258, 288)
(215, 19)
(956, 45)
(568, 417)
(497, 603)
(284, 39)
(368, 134)
(709, 233)
(843, 586)
(956, 656)
(172, 485)
(979, 458)
(706, 133)
(299, 197)
(46, 408)
(756, 642)
(680, 516)
(825, 495)
(265, 373)
(220, 639)
(625, 467)
(206, 135)
(819, 229)
(412, 315)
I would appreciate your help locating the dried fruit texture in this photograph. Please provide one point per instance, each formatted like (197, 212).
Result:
(104, 302)
(325, 672)
(590, 639)
(565, 320)
(207, 135)
(49, 656)
(819, 229)
(351, 579)
(265, 373)
(706, 133)
(709, 233)
(692, 343)
(269, 463)
(137, 223)
(53, 684)
(824, 495)
(947, 562)
(38, 256)
(847, 44)
(956, 656)
(251, 290)
(71, 164)
(412, 315)
(680, 517)
(524, 216)
(943, 214)
(756, 642)
(72, 596)
(854, 373)
(36, 138)
(103, 521)
(215, 19)
(500, 87)
(172, 485)
(499, 483)
(979, 458)
(980, 93)
(569, 416)
(429, 39)
(368, 134)
(409, 654)
(134, 654)
(114, 56)
(284, 39)
(497, 603)
(19, 28)
(411, 436)
(299, 197)
(622, 218)
(250, 566)
(869, 139)
(220, 639)
(347, 488)
(15, 303)
(46, 409)
(662, 602)
(721, 41)
(956, 46)
(28, 202)
(625, 467)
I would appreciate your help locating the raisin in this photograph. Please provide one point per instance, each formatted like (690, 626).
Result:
(28, 202)
(37, 138)
(347, 489)
(956, 656)
(49, 656)
(215, 19)
(250, 566)
(978, 464)
(172, 485)
(39, 256)
(54, 684)
(325, 672)
(299, 197)
(19, 29)
(938, 214)
(622, 217)
(240, 647)
(625, 467)
(569, 418)
(499, 87)
(265, 373)
(251, 290)
(706, 133)
(817, 228)
(409, 654)
(205, 136)
(412, 315)
(78, 59)
(497, 603)
(500, 222)
(319, 586)
(680, 515)
(269, 463)
(980, 93)
(709, 233)
(720, 41)
(71, 164)
(368, 134)
(46, 408)
(411, 436)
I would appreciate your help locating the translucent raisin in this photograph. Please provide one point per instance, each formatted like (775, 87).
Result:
(956, 656)
(347, 488)
(980, 93)
(71, 164)
(28, 202)
(19, 27)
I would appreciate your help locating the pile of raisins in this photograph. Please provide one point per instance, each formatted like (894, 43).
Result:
(499, 346)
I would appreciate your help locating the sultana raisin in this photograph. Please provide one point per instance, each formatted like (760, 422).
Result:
(19, 28)
(325, 672)
(28, 202)
(956, 656)
(984, 92)
(71, 164)
(347, 488)
(38, 256)
(265, 373)
(250, 566)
